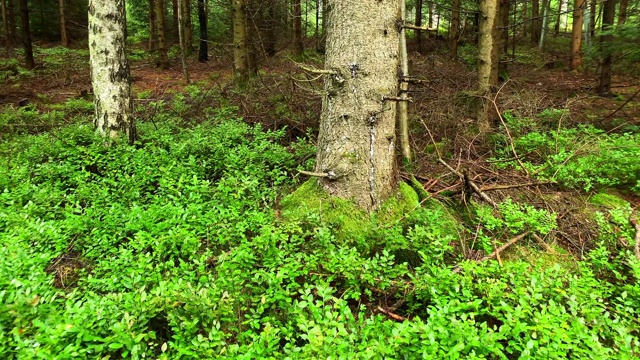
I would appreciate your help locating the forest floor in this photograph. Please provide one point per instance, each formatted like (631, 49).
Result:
(179, 246)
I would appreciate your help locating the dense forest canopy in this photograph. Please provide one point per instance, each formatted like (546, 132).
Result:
(320, 179)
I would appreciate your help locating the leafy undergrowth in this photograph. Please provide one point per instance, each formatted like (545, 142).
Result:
(172, 249)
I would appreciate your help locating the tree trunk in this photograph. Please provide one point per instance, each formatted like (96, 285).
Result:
(203, 54)
(110, 74)
(270, 31)
(622, 17)
(174, 18)
(63, 25)
(556, 28)
(608, 18)
(240, 45)
(593, 11)
(419, 23)
(356, 143)
(524, 19)
(576, 37)
(455, 28)
(162, 44)
(5, 23)
(430, 14)
(536, 24)
(545, 23)
(26, 36)
(403, 106)
(502, 26)
(298, 46)
(153, 35)
(11, 19)
(187, 26)
(181, 40)
(487, 61)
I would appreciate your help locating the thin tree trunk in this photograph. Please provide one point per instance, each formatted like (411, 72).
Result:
(183, 55)
(576, 37)
(240, 45)
(535, 23)
(153, 35)
(455, 28)
(487, 77)
(63, 25)
(162, 44)
(187, 27)
(110, 74)
(203, 53)
(525, 19)
(593, 11)
(403, 108)
(502, 26)
(298, 46)
(11, 19)
(608, 19)
(26, 36)
(356, 143)
(622, 17)
(270, 33)
(545, 23)
(174, 18)
(5, 23)
(419, 23)
(556, 28)
(430, 14)
(587, 25)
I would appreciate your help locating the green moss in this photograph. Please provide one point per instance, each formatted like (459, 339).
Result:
(394, 208)
(608, 201)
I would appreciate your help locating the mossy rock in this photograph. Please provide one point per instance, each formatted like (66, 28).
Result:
(348, 221)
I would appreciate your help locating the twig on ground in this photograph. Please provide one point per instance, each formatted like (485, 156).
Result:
(542, 243)
(391, 315)
(497, 252)
(513, 186)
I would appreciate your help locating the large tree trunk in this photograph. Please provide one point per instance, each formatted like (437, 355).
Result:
(240, 44)
(26, 36)
(203, 53)
(356, 144)
(162, 43)
(298, 45)
(576, 37)
(487, 61)
(455, 28)
(153, 35)
(110, 75)
(622, 17)
(608, 18)
(63, 25)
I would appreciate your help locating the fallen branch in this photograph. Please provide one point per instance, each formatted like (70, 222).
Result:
(477, 190)
(542, 243)
(391, 315)
(497, 252)
(505, 187)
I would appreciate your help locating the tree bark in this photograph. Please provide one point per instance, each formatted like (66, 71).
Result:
(430, 14)
(5, 23)
(187, 26)
(576, 37)
(545, 23)
(622, 17)
(63, 25)
(525, 19)
(162, 44)
(153, 35)
(298, 45)
(455, 29)
(203, 53)
(356, 143)
(487, 61)
(403, 108)
(240, 45)
(110, 74)
(418, 22)
(502, 26)
(181, 40)
(593, 11)
(608, 19)
(174, 18)
(536, 24)
(26, 36)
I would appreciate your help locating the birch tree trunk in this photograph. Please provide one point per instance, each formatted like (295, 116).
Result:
(203, 53)
(576, 37)
(356, 144)
(608, 19)
(110, 75)
(240, 44)
(545, 23)
(487, 60)
(162, 43)
(26, 36)
(63, 25)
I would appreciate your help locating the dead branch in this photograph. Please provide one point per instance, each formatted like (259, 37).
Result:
(505, 187)
(391, 315)
(497, 252)
(542, 243)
